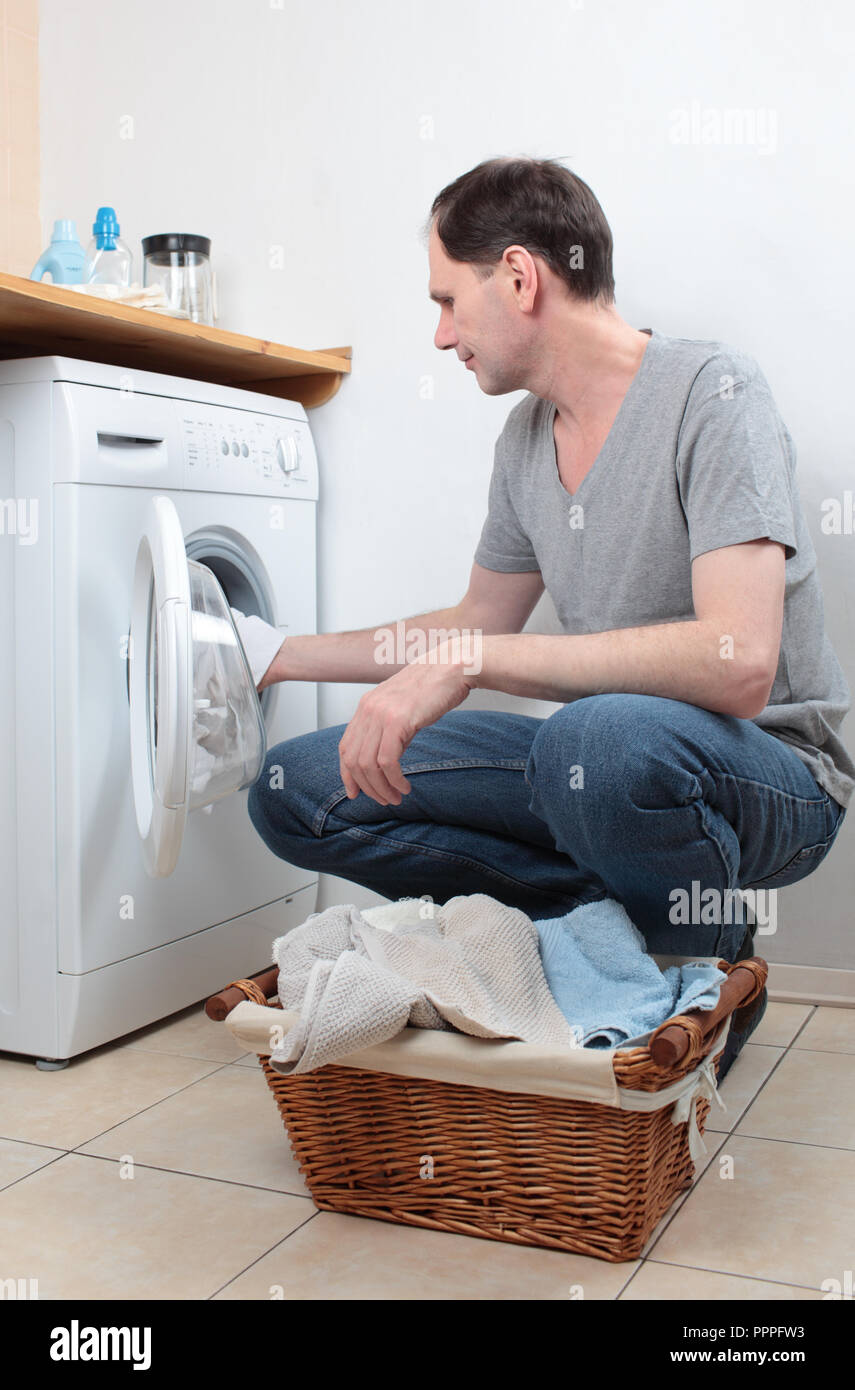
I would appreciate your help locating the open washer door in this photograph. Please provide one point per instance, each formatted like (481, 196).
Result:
(196, 727)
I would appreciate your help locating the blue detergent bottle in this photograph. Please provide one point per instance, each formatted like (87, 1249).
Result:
(108, 260)
(64, 258)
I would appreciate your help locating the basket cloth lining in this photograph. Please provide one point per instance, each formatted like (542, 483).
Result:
(584, 1074)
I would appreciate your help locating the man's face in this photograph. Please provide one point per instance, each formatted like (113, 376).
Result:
(478, 320)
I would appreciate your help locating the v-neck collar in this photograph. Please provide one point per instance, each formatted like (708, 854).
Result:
(618, 424)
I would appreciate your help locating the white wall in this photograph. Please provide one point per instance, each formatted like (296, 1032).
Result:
(325, 127)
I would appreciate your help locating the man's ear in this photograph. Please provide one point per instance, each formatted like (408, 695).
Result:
(520, 267)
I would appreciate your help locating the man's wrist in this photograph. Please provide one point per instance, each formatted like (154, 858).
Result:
(451, 655)
(276, 671)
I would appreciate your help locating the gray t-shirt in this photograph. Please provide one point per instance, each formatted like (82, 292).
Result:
(697, 458)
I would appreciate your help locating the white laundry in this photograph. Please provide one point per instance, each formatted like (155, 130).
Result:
(215, 724)
(473, 966)
(260, 641)
(223, 714)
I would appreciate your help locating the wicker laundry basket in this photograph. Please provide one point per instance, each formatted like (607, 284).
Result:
(532, 1169)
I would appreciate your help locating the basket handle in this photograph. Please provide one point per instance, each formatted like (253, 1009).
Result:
(696, 1028)
(219, 1005)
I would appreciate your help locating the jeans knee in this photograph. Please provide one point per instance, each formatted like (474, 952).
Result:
(627, 748)
(294, 782)
(582, 739)
(268, 802)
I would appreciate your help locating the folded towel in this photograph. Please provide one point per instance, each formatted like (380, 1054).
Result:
(141, 296)
(606, 985)
(473, 964)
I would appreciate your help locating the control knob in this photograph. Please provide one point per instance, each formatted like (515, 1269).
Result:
(287, 454)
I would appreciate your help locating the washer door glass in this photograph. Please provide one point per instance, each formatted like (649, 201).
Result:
(196, 727)
(228, 727)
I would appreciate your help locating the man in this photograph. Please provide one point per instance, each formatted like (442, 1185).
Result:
(647, 482)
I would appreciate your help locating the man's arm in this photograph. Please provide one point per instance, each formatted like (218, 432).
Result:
(723, 660)
(494, 602)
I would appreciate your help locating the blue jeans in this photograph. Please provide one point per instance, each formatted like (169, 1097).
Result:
(634, 797)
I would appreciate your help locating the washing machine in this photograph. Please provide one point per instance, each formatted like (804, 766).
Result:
(122, 902)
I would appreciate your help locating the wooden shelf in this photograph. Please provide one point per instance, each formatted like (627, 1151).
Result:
(39, 320)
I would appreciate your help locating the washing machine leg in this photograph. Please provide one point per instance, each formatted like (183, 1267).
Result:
(51, 1063)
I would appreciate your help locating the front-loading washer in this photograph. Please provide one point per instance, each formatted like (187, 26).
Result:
(100, 933)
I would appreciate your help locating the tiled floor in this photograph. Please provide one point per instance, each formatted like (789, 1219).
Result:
(157, 1167)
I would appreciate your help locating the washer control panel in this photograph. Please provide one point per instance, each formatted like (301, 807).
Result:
(237, 451)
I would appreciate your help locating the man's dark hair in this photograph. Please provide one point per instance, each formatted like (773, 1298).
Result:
(535, 203)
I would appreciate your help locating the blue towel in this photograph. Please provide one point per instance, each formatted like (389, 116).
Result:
(606, 984)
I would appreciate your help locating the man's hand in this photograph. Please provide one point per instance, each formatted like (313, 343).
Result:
(388, 717)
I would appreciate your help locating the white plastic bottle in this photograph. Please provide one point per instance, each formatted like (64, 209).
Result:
(108, 260)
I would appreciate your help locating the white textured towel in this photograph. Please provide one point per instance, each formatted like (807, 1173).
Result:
(472, 964)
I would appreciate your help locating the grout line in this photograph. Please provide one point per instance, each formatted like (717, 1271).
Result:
(763, 1083)
(47, 1164)
(185, 1173)
(186, 1056)
(824, 1051)
(624, 1287)
(214, 1069)
(728, 1273)
(679, 1201)
(802, 1028)
(263, 1256)
(740, 1116)
(35, 1143)
(803, 1025)
(798, 1143)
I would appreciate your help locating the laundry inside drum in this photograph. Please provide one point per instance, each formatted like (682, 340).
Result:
(228, 728)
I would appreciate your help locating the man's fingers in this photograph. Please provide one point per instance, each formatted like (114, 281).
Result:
(349, 785)
(370, 777)
(384, 791)
(361, 772)
(388, 761)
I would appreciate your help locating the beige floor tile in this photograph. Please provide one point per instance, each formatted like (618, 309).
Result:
(350, 1257)
(830, 1030)
(655, 1282)
(188, 1033)
(714, 1142)
(787, 1215)
(225, 1126)
(250, 1059)
(746, 1076)
(780, 1023)
(17, 1160)
(95, 1091)
(84, 1232)
(810, 1099)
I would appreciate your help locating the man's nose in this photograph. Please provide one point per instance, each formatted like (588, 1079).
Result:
(445, 336)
